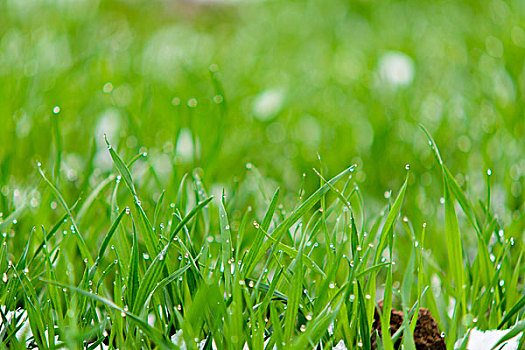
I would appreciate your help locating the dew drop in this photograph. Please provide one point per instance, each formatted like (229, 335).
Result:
(56, 109)
(108, 87)
(192, 102)
(218, 99)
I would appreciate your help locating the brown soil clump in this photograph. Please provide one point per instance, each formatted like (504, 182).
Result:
(426, 334)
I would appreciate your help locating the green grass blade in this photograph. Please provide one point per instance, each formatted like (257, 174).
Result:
(294, 295)
(453, 240)
(132, 287)
(250, 260)
(153, 333)
(226, 246)
(389, 221)
(109, 235)
(517, 329)
(513, 311)
(80, 241)
(363, 320)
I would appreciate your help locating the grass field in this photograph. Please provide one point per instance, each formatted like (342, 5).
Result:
(233, 174)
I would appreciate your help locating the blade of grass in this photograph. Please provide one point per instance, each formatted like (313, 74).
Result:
(80, 241)
(226, 246)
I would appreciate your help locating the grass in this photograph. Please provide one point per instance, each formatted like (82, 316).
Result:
(175, 174)
(296, 277)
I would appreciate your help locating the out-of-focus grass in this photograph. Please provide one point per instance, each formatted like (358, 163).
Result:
(278, 87)
(350, 81)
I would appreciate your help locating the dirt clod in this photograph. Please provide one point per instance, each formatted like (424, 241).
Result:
(426, 334)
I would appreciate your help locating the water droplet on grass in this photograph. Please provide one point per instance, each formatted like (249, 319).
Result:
(218, 99)
(56, 109)
(192, 102)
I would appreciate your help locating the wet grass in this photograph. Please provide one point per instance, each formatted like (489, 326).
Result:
(137, 273)
(180, 174)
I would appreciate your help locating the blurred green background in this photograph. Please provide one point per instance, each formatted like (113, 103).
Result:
(218, 84)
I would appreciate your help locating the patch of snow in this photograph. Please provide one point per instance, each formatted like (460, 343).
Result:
(485, 340)
(340, 346)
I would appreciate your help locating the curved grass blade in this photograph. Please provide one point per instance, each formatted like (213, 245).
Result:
(154, 271)
(153, 333)
(517, 329)
(92, 196)
(513, 311)
(80, 241)
(296, 215)
(150, 238)
(250, 260)
(12, 217)
(389, 221)
(109, 235)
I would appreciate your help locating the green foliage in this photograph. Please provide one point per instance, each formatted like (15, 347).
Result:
(222, 233)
